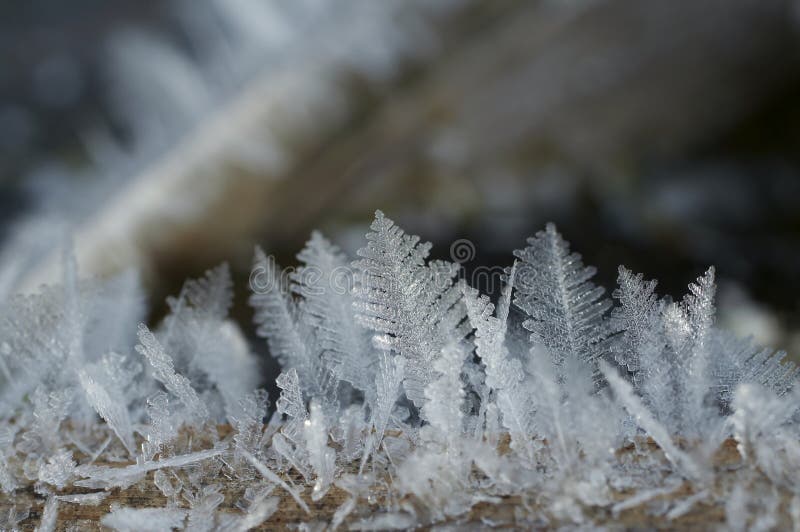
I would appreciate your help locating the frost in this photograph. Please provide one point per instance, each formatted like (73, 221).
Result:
(49, 515)
(391, 521)
(136, 519)
(412, 306)
(49, 409)
(444, 397)
(169, 489)
(201, 339)
(290, 402)
(642, 497)
(345, 509)
(278, 319)
(13, 517)
(635, 317)
(249, 421)
(741, 361)
(112, 411)
(430, 477)
(7, 481)
(404, 387)
(683, 507)
(644, 418)
(390, 376)
(504, 375)
(161, 428)
(203, 505)
(110, 477)
(258, 512)
(118, 303)
(290, 443)
(58, 469)
(321, 457)
(211, 296)
(272, 477)
(326, 289)
(767, 433)
(88, 499)
(554, 289)
(164, 372)
(698, 313)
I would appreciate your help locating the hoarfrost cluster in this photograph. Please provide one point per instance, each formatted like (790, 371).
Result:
(405, 391)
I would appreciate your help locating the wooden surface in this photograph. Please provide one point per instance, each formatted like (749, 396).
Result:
(144, 494)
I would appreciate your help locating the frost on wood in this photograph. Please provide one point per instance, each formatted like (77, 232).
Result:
(135, 519)
(407, 398)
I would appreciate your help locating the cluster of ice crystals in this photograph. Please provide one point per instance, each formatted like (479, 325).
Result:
(406, 388)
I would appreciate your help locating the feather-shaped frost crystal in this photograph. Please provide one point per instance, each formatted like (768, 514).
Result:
(566, 310)
(413, 307)
(164, 371)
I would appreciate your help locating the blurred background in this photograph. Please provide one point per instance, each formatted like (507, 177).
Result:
(172, 135)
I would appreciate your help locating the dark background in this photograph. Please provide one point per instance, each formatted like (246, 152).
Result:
(660, 135)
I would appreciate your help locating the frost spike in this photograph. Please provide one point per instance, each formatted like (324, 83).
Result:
(412, 307)
(272, 477)
(326, 289)
(390, 375)
(113, 412)
(626, 396)
(212, 294)
(109, 476)
(698, 309)
(164, 372)
(73, 314)
(320, 455)
(504, 374)
(445, 395)
(49, 515)
(278, 320)
(634, 318)
(566, 310)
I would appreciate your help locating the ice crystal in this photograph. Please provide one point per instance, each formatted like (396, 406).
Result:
(49, 515)
(113, 411)
(634, 317)
(203, 505)
(164, 372)
(565, 309)
(258, 512)
(249, 421)
(412, 306)
(160, 431)
(401, 385)
(326, 290)
(198, 335)
(321, 457)
(387, 389)
(106, 476)
(504, 375)
(58, 469)
(136, 519)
